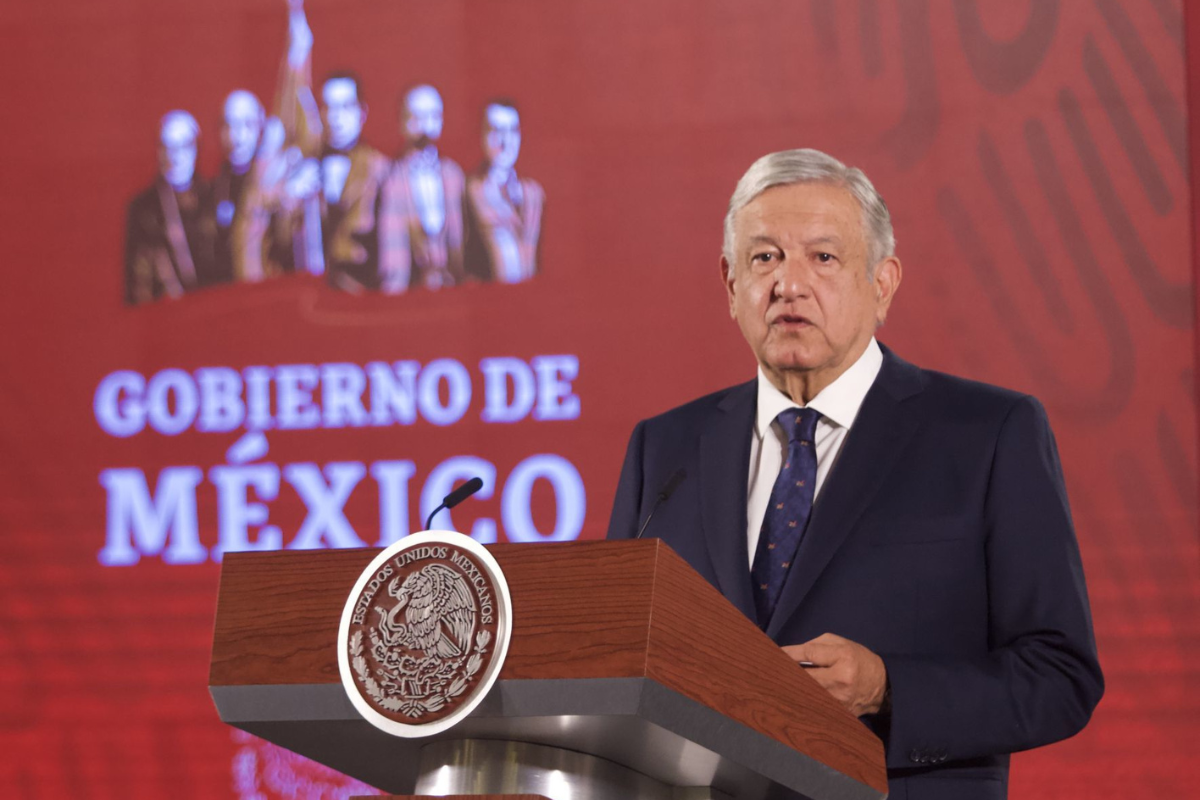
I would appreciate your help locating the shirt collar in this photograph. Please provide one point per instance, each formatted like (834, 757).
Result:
(838, 403)
(426, 157)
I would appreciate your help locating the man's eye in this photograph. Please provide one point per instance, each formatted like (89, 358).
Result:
(762, 258)
(825, 258)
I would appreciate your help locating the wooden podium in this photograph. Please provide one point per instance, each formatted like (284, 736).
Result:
(627, 676)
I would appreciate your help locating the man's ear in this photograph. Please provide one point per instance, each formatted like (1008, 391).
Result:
(888, 273)
(727, 278)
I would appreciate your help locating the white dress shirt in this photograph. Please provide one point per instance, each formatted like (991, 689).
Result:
(335, 169)
(428, 193)
(838, 404)
(503, 189)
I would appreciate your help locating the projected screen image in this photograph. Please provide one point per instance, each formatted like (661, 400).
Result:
(300, 191)
(282, 275)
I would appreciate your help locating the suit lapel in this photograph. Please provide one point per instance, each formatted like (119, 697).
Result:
(356, 178)
(874, 444)
(725, 463)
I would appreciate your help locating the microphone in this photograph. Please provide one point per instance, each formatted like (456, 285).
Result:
(454, 498)
(667, 490)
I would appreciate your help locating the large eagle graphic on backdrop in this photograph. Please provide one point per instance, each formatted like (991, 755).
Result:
(439, 616)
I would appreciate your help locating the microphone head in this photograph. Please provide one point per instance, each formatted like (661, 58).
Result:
(463, 492)
(672, 485)
(665, 492)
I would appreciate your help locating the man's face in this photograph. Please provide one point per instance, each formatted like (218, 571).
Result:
(242, 128)
(177, 152)
(799, 288)
(502, 136)
(342, 113)
(423, 116)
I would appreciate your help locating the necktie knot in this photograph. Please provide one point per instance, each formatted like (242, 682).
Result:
(799, 424)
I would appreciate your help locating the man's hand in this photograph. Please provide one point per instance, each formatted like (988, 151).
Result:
(850, 672)
(300, 37)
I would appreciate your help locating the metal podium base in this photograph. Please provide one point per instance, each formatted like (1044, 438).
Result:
(478, 766)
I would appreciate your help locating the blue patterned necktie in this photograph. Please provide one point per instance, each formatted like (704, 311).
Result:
(788, 512)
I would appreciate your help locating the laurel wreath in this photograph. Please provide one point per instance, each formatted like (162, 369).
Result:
(416, 706)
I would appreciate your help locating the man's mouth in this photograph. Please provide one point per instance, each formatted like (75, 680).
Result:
(791, 321)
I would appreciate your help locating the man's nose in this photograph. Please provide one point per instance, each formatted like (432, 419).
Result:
(792, 278)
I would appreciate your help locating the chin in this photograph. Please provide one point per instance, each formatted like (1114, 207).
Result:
(792, 355)
(793, 362)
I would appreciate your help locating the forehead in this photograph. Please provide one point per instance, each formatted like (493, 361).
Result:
(424, 98)
(502, 117)
(801, 212)
(241, 105)
(177, 131)
(339, 91)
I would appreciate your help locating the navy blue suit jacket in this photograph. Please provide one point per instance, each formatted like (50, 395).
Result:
(941, 540)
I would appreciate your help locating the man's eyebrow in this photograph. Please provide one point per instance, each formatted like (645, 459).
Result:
(761, 239)
(831, 239)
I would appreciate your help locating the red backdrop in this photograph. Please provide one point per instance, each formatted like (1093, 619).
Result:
(1035, 156)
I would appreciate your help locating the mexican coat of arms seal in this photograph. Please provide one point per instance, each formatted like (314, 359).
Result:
(424, 633)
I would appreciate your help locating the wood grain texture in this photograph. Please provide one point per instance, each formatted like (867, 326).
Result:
(278, 614)
(704, 648)
(582, 611)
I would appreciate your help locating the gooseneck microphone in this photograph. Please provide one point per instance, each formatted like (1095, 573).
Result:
(457, 496)
(667, 490)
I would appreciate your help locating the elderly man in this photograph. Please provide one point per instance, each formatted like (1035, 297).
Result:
(329, 199)
(903, 534)
(169, 229)
(505, 210)
(242, 123)
(421, 221)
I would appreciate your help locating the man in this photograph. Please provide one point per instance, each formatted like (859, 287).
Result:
(352, 174)
(505, 210)
(903, 534)
(169, 230)
(243, 119)
(421, 224)
(334, 229)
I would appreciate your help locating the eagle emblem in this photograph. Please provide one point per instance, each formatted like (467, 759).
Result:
(424, 633)
(426, 623)
(439, 616)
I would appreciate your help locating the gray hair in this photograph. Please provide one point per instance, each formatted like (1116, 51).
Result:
(812, 166)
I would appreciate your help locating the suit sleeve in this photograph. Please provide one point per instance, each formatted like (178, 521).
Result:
(627, 506)
(139, 255)
(132, 278)
(1041, 679)
(295, 105)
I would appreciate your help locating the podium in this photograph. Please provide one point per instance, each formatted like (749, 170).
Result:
(627, 676)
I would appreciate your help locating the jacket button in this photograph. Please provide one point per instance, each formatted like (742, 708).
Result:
(916, 756)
